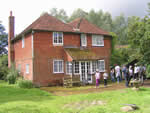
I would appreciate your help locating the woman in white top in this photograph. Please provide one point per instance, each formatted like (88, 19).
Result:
(97, 77)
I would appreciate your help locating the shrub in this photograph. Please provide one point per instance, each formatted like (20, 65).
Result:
(25, 84)
(12, 75)
(3, 67)
(148, 71)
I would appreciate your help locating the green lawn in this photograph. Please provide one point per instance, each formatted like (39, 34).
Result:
(17, 100)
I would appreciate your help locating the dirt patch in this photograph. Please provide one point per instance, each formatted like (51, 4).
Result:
(61, 91)
(83, 104)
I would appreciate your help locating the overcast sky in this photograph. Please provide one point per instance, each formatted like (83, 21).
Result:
(26, 11)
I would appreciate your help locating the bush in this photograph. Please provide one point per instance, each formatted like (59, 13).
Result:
(25, 84)
(148, 71)
(12, 75)
(3, 67)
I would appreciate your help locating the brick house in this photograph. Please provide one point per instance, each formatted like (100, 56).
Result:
(49, 49)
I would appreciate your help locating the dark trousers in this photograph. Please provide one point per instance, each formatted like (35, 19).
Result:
(126, 80)
(130, 77)
(105, 82)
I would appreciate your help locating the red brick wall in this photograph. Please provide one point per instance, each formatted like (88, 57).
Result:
(45, 53)
(23, 56)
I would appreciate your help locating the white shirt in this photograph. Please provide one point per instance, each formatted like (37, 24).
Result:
(130, 71)
(97, 75)
(117, 69)
(136, 69)
(105, 75)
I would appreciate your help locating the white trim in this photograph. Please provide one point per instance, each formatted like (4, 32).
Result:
(58, 44)
(58, 66)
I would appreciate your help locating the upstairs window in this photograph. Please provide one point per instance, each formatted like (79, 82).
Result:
(101, 65)
(57, 38)
(23, 42)
(97, 40)
(83, 40)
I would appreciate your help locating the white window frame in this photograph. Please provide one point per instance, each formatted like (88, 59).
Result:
(76, 67)
(97, 40)
(83, 40)
(58, 67)
(57, 38)
(23, 42)
(69, 68)
(99, 65)
(27, 68)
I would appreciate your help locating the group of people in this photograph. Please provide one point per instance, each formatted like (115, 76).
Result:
(132, 72)
(118, 73)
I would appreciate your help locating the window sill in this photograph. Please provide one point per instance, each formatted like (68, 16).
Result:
(57, 44)
(97, 45)
(58, 72)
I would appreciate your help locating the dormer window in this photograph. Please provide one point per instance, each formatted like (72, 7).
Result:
(97, 40)
(57, 38)
(83, 40)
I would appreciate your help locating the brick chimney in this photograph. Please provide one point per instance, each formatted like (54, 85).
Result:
(10, 36)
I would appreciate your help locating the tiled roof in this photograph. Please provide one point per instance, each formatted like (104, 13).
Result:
(86, 27)
(49, 23)
(85, 54)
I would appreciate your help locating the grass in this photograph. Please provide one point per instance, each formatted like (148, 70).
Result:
(18, 100)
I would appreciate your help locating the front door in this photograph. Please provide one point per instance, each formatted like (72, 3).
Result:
(86, 75)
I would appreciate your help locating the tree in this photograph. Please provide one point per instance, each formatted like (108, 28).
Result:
(78, 13)
(3, 40)
(120, 26)
(59, 14)
(101, 19)
(139, 38)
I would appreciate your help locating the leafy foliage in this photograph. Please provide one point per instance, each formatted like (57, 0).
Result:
(25, 84)
(139, 38)
(3, 40)
(12, 75)
(3, 67)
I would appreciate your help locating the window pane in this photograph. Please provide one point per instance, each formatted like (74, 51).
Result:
(83, 40)
(69, 68)
(76, 66)
(58, 37)
(27, 68)
(101, 65)
(55, 66)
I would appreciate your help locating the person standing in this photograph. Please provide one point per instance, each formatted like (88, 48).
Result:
(136, 71)
(125, 75)
(130, 74)
(117, 70)
(112, 74)
(97, 77)
(105, 75)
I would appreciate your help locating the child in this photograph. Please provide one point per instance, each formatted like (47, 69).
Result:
(105, 75)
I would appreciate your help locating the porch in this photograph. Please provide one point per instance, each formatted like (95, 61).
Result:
(81, 64)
